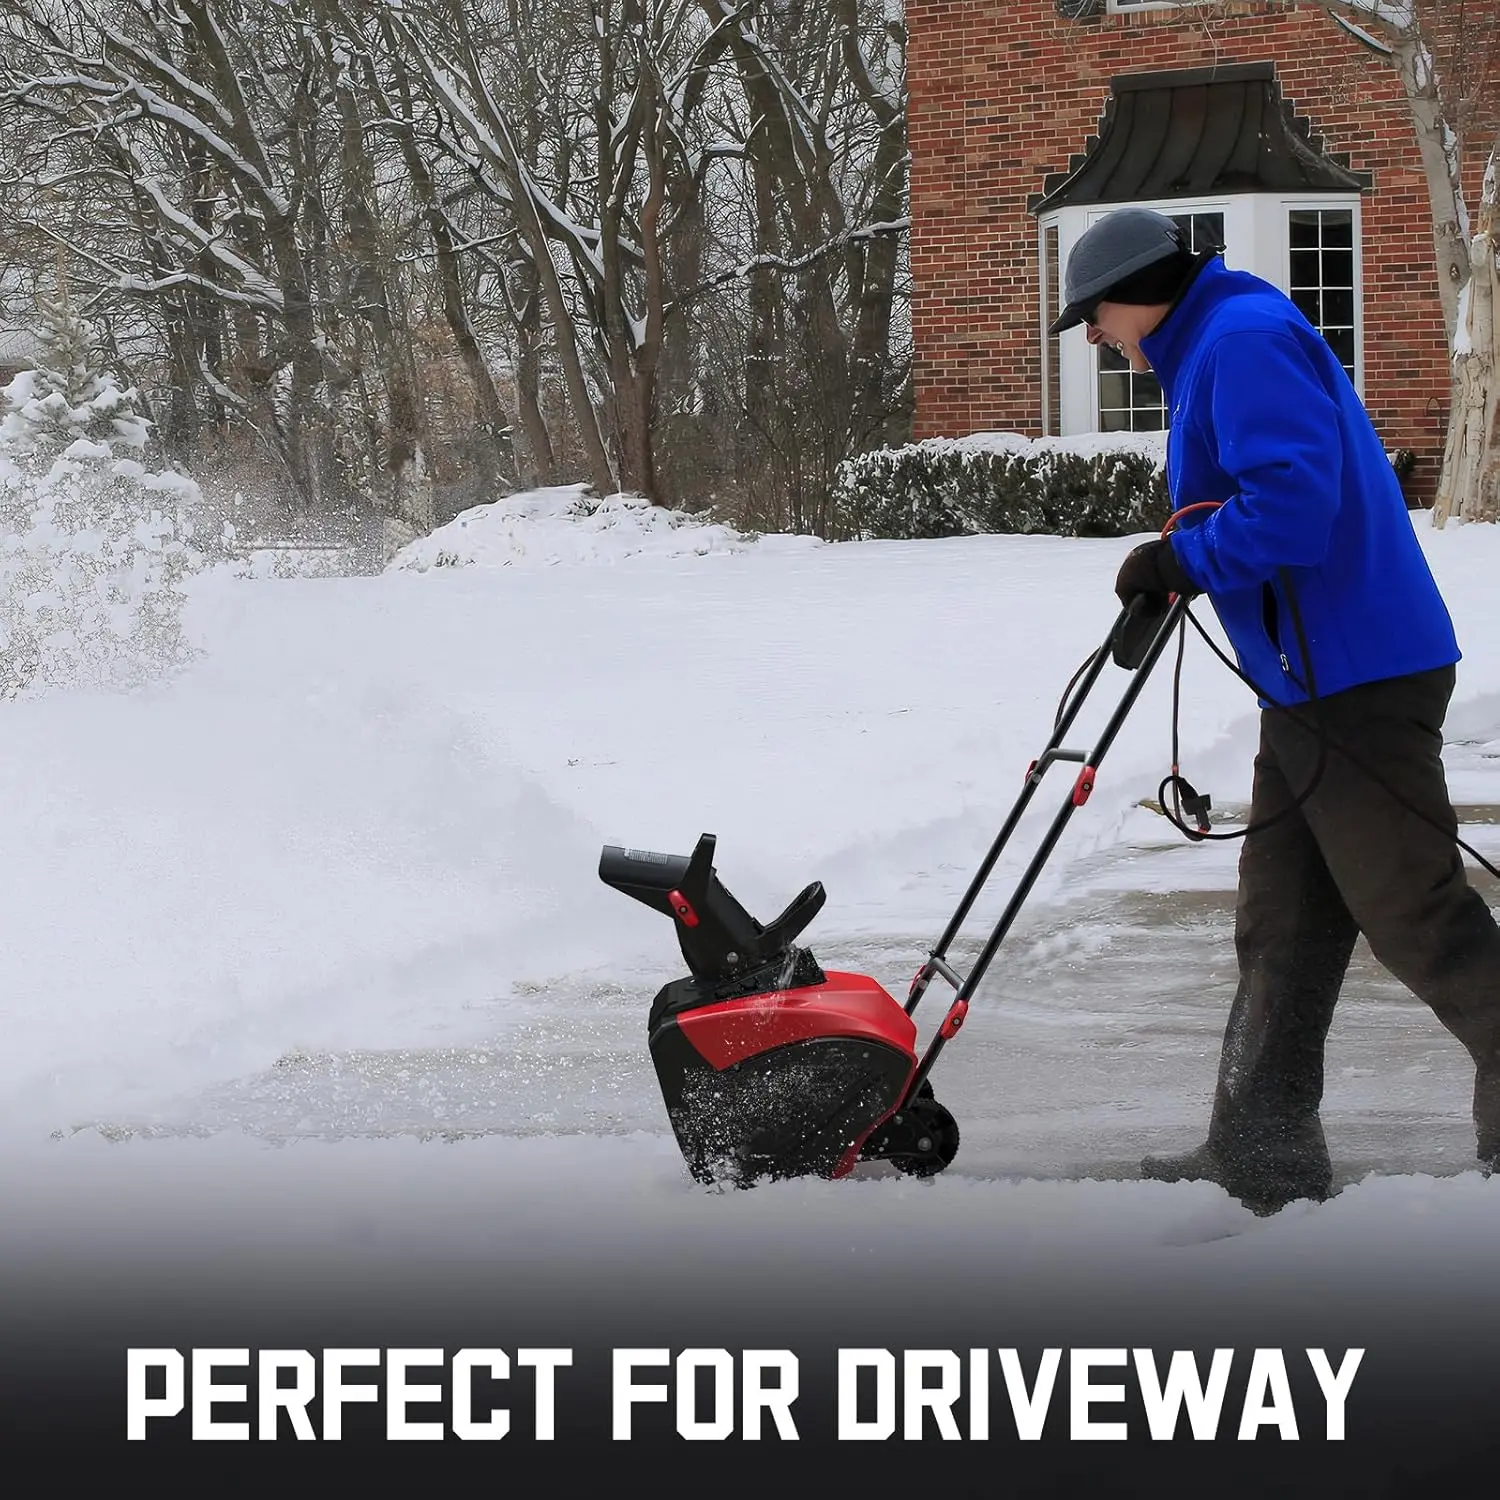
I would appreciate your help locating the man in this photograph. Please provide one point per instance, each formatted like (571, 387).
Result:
(1314, 570)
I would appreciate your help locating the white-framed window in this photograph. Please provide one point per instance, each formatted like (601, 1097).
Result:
(1322, 277)
(1124, 7)
(1308, 246)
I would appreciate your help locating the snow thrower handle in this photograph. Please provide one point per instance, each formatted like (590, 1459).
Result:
(1139, 635)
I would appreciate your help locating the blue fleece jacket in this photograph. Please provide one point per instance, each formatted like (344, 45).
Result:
(1264, 418)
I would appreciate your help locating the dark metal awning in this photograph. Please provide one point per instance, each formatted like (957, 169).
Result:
(1198, 133)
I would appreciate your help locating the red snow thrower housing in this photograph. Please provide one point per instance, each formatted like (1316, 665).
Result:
(771, 1066)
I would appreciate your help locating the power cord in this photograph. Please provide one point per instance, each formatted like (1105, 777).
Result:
(1185, 798)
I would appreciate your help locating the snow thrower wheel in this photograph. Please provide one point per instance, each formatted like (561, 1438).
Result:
(934, 1139)
(920, 1139)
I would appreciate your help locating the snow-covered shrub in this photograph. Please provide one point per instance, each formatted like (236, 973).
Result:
(1103, 484)
(1002, 482)
(94, 548)
(66, 397)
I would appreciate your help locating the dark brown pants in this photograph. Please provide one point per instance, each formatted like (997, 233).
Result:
(1350, 860)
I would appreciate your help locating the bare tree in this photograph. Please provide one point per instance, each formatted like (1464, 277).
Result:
(226, 143)
(665, 237)
(397, 107)
(1447, 104)
(691, 176)
(821, 129)
(208, 147)
(1406, 31)
(440, 38)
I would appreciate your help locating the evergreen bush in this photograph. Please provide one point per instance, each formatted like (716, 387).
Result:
(1004, 483)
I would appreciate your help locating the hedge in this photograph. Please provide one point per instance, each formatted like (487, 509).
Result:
(1003, 483)
(1104, 485)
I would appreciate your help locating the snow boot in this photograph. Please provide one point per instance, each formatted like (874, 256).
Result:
(1487, 1110)
(1265, 1174)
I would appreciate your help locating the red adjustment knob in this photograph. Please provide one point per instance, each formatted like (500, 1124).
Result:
(683, 908)
(1083, 786)
(954, 1019)
(1029, 769)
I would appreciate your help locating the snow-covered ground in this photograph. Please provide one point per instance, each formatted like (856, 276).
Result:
(310, 938)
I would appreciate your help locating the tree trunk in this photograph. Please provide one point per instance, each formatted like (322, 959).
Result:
(1440, 167)
(874, 262)
(495, 453)
(541, 466)
(1398, 31)
(633, 351)
(495, 140)
(1469, 487)
(374, 302)
(180, 431)
(304, 425)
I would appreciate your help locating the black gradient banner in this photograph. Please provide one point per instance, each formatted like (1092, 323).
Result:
(1420, 1409)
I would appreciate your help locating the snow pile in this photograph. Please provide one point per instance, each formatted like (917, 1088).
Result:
(565, 524)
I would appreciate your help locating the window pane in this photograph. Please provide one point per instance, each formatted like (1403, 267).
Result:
(1338, 307)
(1306, 301)
(1338, 228)
(1145, 391)
(1129, 402)
(1114, 390)
(1305, 265)
(1338, 268)
(1202, 230)
(1341, 341)
(1303, 228)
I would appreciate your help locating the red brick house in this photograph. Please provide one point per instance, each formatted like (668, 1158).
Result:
(1262, 125)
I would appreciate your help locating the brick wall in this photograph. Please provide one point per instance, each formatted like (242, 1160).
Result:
(1004, 92)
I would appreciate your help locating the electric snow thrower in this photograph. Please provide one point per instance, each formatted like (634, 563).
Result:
(772, 1067)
